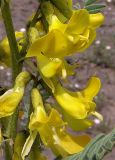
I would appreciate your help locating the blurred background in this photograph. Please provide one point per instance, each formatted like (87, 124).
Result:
(98, 60)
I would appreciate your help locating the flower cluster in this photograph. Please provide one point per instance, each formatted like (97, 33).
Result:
(64, 39)
(73, 109)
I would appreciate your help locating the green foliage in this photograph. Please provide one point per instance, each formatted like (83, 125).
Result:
(93, 7)
(97, 148)
(88, 2)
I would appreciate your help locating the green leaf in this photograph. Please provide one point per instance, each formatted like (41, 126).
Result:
(97, 148)
(88, 2)
(94, 11)
(95, 7)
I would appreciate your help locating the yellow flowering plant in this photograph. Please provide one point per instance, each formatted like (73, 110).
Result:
(38, 59)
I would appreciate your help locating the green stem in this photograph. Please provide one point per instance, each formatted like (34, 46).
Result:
(6, 14)
(8, 155)
(10, 123)
(10, 127)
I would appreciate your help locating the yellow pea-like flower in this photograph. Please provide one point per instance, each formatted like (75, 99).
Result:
(78, 105)
(63, 39)
(11, 98)
(49, 67)
(66, 39)
(52, 130)
(5, 53)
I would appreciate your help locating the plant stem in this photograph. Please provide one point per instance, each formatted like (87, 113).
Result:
(10, 123)
(8, 155)
(6, 14)
(10, 127)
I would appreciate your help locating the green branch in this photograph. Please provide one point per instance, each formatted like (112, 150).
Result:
(11, 122)
(6, 14)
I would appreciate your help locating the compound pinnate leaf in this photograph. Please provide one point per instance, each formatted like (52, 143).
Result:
(88, 2)
(95, 7)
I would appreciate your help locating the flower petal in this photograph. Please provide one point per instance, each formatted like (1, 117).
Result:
(85, 40)
(70, 144)
(48, 66)
(56, 24)
(11, 98)
(96, 20)
(78, 22)
(74, 106)
(53, 45)
(92, 88)
(9, 101)
(55, 119)
(77, 124)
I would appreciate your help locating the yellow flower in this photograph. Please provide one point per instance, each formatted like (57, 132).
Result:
(77, 106)
(65, 39)
(52, 129)
(49, 67)
(11, 98)
(61, 40)
(5, 53)
(52, 66)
